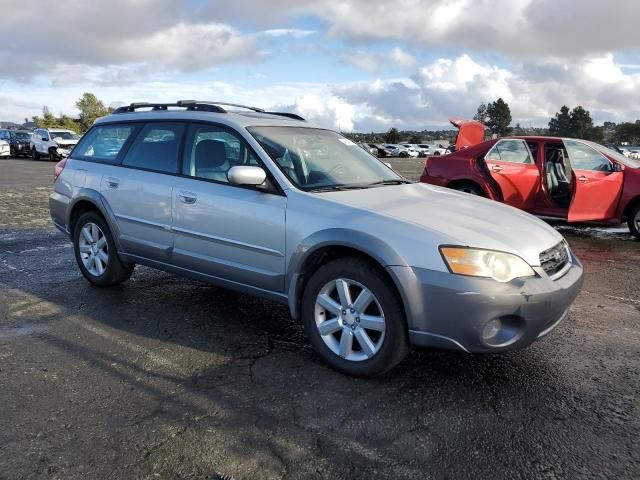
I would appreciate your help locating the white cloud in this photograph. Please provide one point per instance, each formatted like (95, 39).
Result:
(377, 62)
(568, 29)
(289, 32)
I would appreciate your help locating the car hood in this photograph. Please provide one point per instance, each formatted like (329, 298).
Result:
(470, 220)
(65, 143)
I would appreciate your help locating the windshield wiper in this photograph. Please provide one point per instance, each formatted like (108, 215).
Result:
(338, 188)
(391, 182)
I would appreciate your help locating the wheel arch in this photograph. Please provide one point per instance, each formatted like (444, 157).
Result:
(464, 181)
(90, 200)
(323, 247)
(630, 206)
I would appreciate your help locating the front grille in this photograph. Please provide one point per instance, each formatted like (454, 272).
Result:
(555, 260)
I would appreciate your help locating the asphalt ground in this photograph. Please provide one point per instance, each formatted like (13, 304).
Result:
(165, 377)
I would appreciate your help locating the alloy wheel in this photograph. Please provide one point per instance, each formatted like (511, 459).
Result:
(94, 250)
(350, 319)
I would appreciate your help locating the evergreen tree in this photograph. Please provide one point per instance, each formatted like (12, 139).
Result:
(499, 117)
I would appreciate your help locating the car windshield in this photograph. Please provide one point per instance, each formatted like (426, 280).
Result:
(22, 135)
(65, 135)
(316, 159)
(618, 157)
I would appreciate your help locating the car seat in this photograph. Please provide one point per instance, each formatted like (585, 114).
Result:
(210, 160)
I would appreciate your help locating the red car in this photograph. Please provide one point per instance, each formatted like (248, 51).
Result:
(566, 178)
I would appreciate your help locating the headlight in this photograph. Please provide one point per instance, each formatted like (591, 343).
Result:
(502, 267)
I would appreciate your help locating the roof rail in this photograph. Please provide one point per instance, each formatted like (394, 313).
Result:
(295, 116)
(188, 104)
(201, 106)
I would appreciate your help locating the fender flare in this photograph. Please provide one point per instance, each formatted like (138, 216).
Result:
(94, 197)
(372, 246)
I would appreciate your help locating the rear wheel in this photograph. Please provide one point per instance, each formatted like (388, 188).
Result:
(354, 318)
(469, 188)
(96, 253)
(634, 221)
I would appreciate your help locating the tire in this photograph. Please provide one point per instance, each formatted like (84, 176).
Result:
(100, 272)
(436, 153)
(386, 328)
(12, 152)
(634, 221)
(469, 188)
(34, 153)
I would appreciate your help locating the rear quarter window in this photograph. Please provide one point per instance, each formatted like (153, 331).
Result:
(103, 143)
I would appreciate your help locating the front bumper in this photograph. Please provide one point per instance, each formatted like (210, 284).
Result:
(451, 311)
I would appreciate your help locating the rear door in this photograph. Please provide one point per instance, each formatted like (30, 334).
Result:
(227, 231)
(597, 183)
(139, 191)
(513, 168)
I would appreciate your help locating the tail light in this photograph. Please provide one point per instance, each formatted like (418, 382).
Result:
(59, 167)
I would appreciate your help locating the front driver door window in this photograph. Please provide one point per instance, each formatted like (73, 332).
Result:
(511, 165)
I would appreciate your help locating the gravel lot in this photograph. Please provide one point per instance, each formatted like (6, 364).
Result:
(169, 378)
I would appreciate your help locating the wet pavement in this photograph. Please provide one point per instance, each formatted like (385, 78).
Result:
(164, 377)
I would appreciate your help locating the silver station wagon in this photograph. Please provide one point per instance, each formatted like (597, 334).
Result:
(268, 204)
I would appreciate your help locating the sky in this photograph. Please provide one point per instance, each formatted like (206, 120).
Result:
(352, 65)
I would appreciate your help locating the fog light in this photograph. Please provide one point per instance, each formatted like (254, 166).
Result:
(491, 329)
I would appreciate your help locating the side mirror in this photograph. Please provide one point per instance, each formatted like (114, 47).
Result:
(247, 175)
(45, 139)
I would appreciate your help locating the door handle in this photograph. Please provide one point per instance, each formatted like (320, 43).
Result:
(583, 179)
(496, 168)
(187, 197)
(112, 182)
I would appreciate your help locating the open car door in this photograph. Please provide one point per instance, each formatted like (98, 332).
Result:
(512, 166)
(470, 132)
(597, 183)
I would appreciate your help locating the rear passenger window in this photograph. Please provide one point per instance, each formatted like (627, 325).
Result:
(210, 152)
(513, 151)
(156, 147)
(103, 143)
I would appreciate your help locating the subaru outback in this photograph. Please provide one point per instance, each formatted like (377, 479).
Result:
(270, 205)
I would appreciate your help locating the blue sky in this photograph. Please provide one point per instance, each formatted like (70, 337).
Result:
(352, 64)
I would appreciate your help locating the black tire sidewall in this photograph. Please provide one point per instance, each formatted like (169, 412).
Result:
(469, 186)
(110, 274)
(633, 226)
(395, 345)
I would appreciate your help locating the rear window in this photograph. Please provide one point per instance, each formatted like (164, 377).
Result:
(156, 147)
(103, 143)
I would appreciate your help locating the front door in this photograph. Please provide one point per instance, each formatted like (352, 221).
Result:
(513, 168)
(597, 183)
(223, 230)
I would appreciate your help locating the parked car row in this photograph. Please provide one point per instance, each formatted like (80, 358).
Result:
(404, 150)
(270, 205)
(52, 143)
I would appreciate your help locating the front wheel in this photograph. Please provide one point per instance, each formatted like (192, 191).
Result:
(34, 153)
(634, 221)
(354, 318)
(96, 253)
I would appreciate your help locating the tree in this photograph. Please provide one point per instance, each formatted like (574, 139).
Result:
(481, 113)
(392, 136)
(90, 109)
(580, 123)
(415, 139)
(499, 117)
(559, 125)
